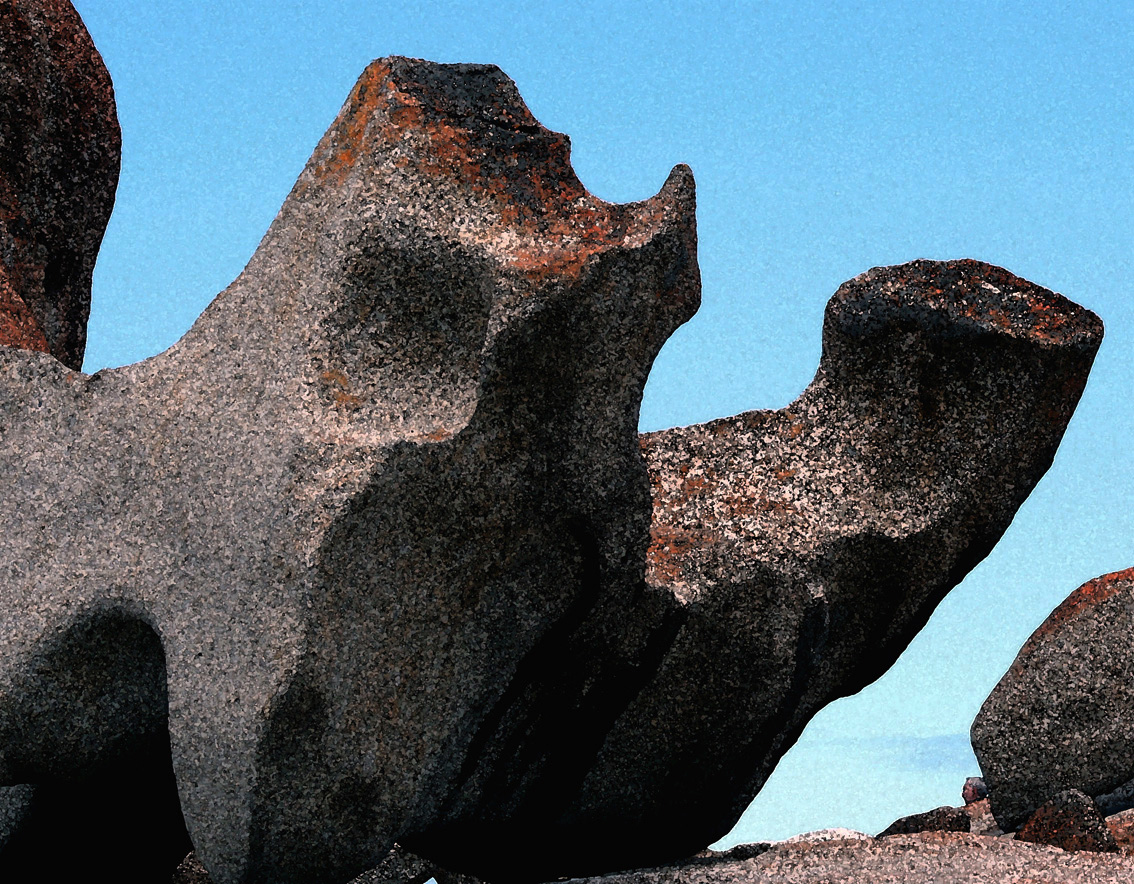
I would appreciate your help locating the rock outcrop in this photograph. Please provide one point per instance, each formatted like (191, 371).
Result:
(318, 540)
(940, 819)
(927, 858)
(794, 554)
(375, 552)
(1070, 821)
(1061, 717)
(60, 149)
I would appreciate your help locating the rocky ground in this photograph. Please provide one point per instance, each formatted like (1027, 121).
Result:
(981, 855)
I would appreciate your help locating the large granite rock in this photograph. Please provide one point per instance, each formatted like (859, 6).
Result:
(1062, 717)
(318, 540)
(794, 554)
(60, 148)
(375, 553)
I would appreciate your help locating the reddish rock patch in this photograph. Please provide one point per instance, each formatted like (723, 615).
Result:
(60, 149)
(1069, 821)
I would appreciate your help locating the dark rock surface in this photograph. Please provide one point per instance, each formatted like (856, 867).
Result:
(1070, 821)
(927, 858)
(1060, 718)
(794, 554)
(375, 552)
(940, 819)
(327, 529)
(60, 148)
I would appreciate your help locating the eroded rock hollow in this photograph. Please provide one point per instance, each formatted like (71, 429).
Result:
(378, 547)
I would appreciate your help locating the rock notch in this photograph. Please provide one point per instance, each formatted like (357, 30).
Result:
(60, 149)
(1062, 716)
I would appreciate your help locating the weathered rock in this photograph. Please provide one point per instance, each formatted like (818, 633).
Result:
(60, 148)
(974, 790)
(794, 555)
(1121, 827)
(377, 545)
(399, 867)
(927, 858)
(940, 819)
(332, 523)
(1062, 716)
(1070, 821)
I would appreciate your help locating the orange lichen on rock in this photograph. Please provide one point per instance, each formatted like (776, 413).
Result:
(520, 191)
(1087, 596)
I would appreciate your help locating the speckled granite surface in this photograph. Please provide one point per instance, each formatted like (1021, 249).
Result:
(376, 553)
(1061, 717)
(927, 858)
(60, 148)
(332, 521)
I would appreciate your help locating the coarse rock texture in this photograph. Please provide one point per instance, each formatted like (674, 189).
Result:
(940, 819)
(794, 554)
(60, 149)
(982, 820)
(1062, 717)
(375, 553)
(1121, 827)
(927, 858)
(1070, 821)
(317, 541)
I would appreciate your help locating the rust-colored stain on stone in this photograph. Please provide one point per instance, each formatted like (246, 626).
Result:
(18, 325)
(490, 146)
(1088, 596)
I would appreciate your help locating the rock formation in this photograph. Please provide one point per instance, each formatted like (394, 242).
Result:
(1070, 821)
(940, 819)
(794, 554)
(1061, 717)
(60, 148)
(327, 528)
(375, 552)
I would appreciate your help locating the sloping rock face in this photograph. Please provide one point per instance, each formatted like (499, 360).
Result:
(378, 547)
(60, 149)
(1062, 716)
(928, 858)
(794, 554)
(318, 539)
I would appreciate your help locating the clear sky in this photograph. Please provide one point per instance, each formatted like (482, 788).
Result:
(826, 138)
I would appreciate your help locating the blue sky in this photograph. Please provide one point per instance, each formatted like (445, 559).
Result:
(826, 138)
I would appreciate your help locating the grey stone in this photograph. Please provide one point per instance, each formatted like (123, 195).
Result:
(1062, 717)
(376, 552)
(316, 541)
(794, 554)
(940, 819)
(60, 150)
(927, 858)
(1069, 820)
